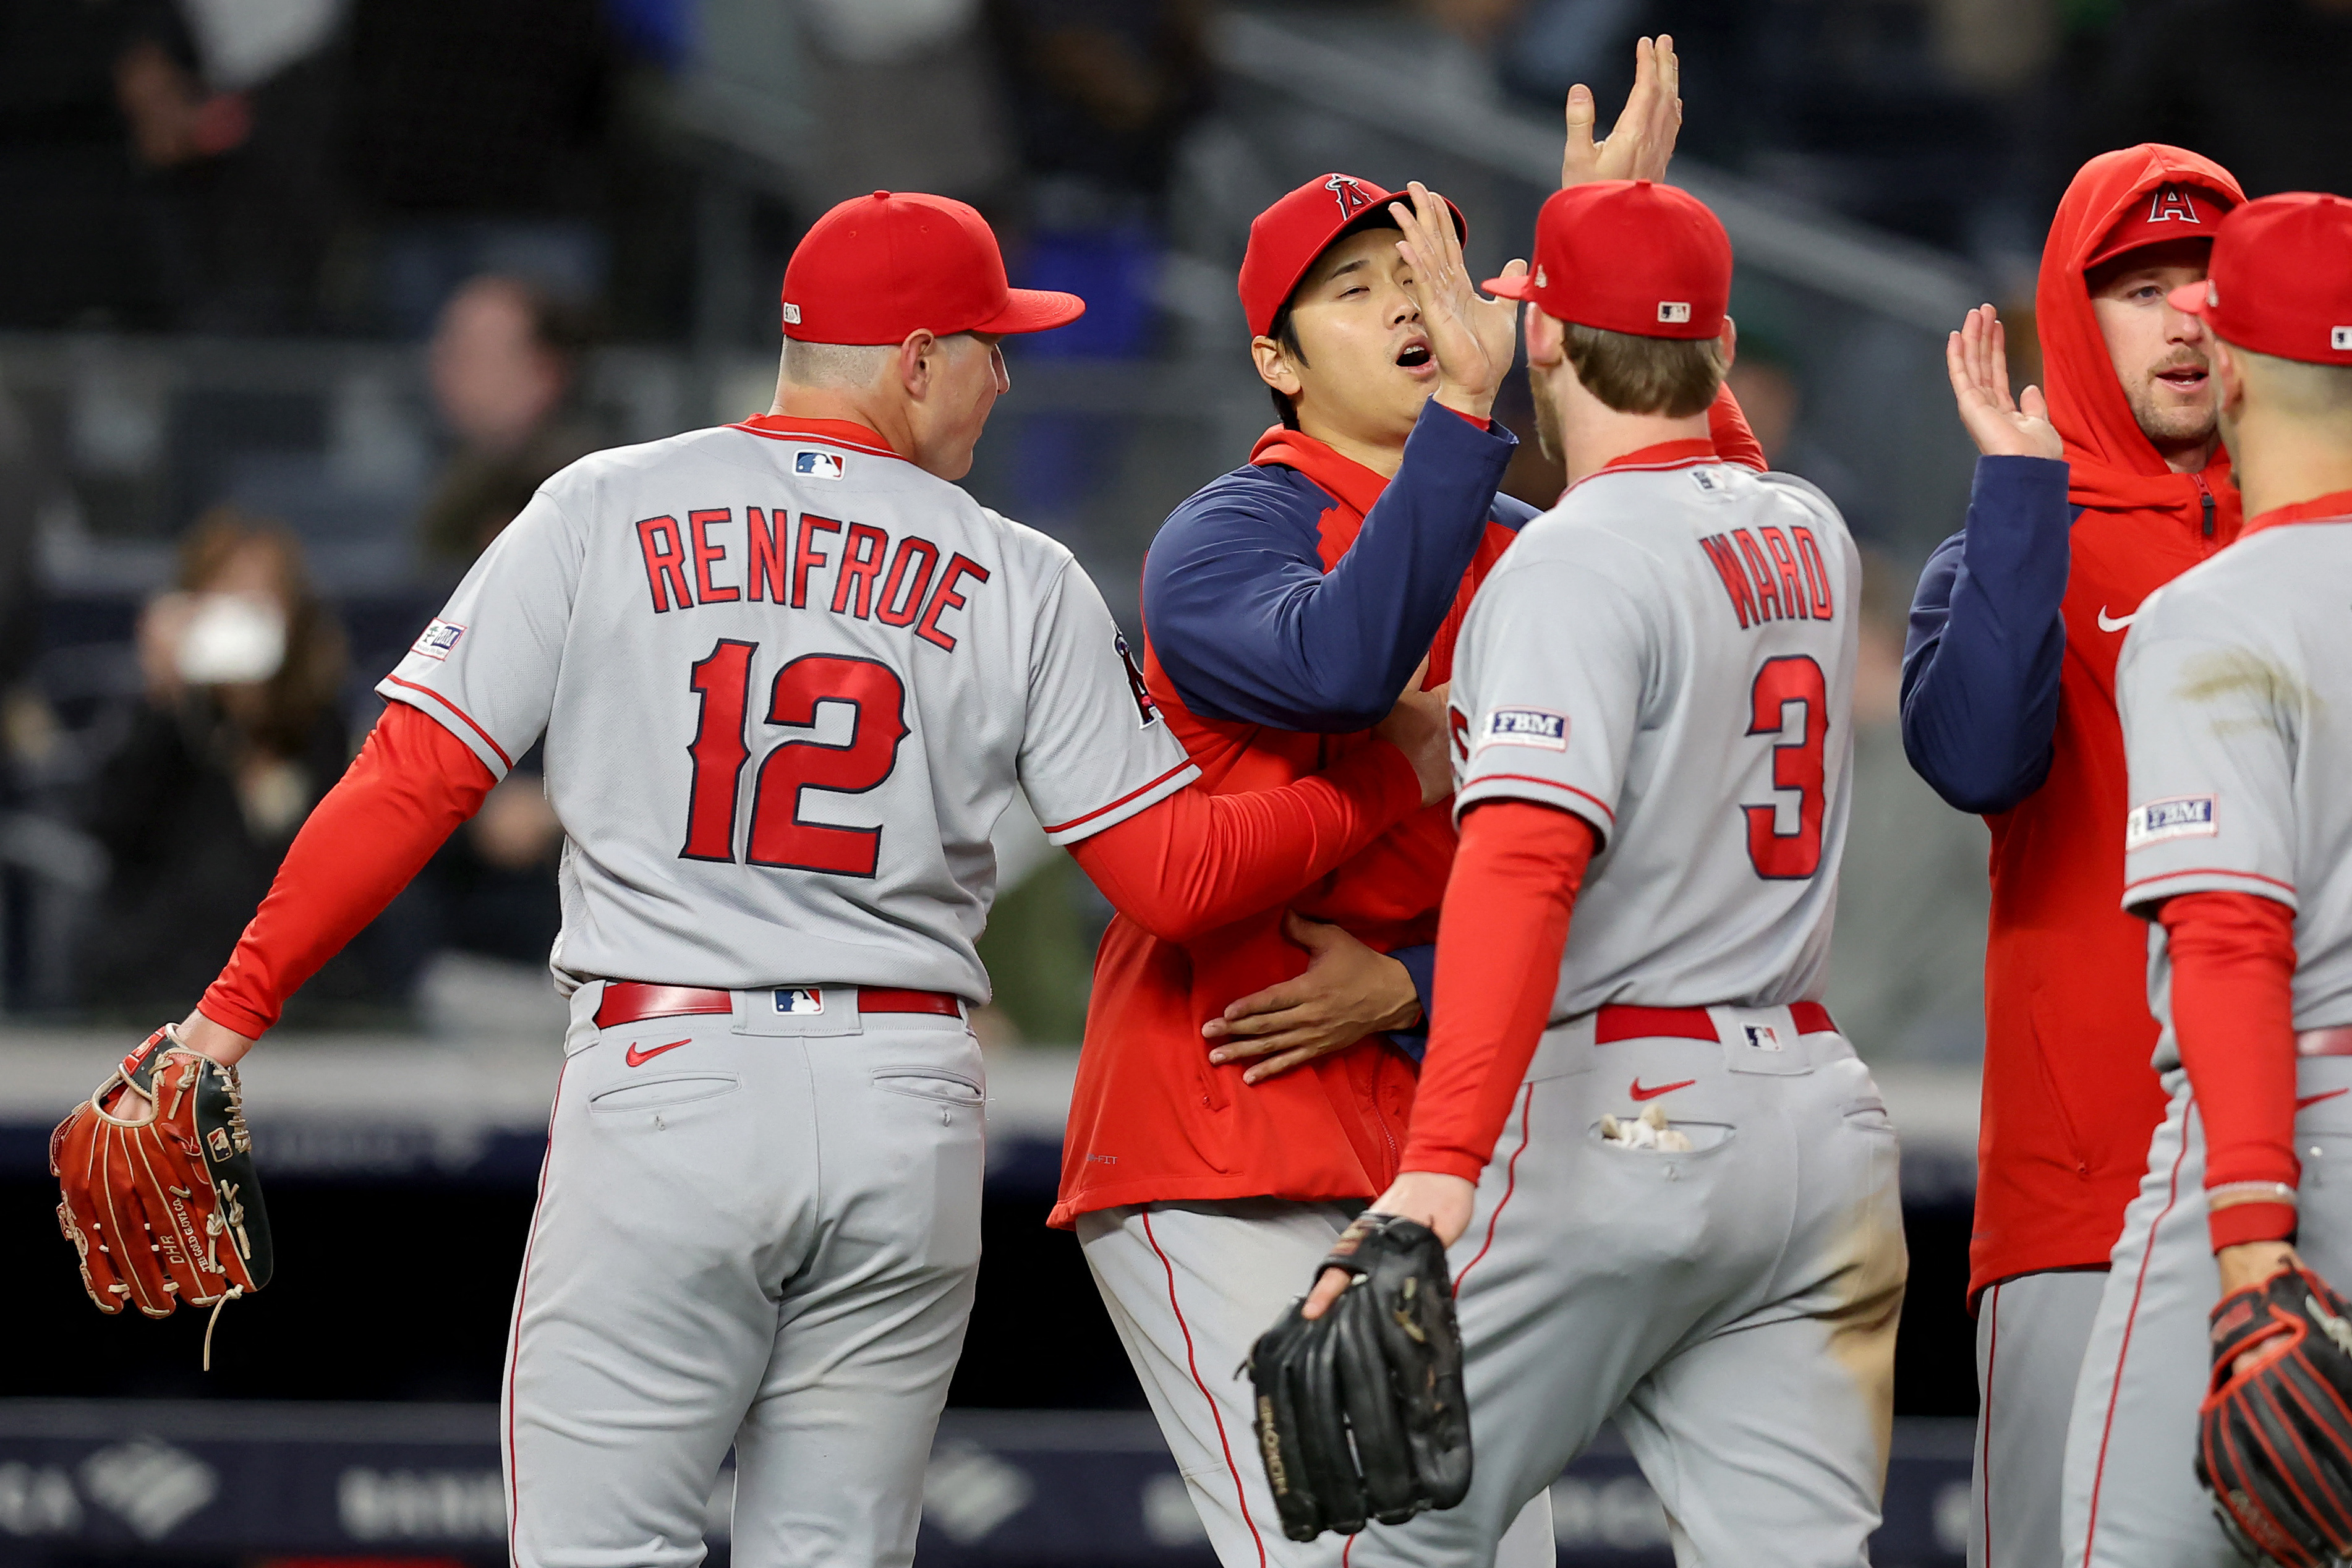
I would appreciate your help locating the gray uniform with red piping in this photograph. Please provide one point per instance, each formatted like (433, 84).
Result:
(2237, 714)
(787, 683)
(1669, 655)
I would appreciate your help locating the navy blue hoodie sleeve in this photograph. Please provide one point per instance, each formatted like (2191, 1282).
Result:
(1249, 626)
(1420, 963)
(1981, 662)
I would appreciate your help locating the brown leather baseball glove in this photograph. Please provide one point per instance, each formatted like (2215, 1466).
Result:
(160, 1197)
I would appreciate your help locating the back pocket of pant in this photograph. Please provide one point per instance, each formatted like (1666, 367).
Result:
(655, 1094)
(929, 1083)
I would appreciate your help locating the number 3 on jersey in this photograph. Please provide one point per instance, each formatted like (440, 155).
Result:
(1796, 764)
(780, 837)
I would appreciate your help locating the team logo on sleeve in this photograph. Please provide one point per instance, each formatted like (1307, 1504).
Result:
(2182, 817)
(816, 465)
(1147, 707)
(440, 639)
(1538, 727)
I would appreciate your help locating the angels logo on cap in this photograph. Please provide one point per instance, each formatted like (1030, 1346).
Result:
(1351, 195)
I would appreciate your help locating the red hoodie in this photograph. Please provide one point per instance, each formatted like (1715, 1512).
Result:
(2070, 1100)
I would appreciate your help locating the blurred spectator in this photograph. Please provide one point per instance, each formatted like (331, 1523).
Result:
(903, 96)
(2258, 86)
(1907, 971)
(1774, 402)
(478, 142)
(231, 108)
(79, 253)
(236, 741)
(1104, 89)
(505, 366)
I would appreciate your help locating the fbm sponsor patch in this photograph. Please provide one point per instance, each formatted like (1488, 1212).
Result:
(2182, 817)
(439, 639)
(816, 465)
(1525, 727)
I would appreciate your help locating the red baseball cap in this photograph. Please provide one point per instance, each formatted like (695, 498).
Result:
(2278, 283)
(2169, 212)
(1286, 237)
(1628, 256)
(877, 268)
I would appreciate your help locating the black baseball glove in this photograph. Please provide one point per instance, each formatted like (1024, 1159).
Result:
(2274, 1443)
(1382, 1367)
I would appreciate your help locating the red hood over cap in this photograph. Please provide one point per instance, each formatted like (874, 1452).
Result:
(2116, 468)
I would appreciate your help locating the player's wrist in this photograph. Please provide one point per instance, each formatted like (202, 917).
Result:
(2245, 1265)
(218, 1041)
(1472, 403)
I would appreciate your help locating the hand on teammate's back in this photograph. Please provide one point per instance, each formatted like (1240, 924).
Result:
(1472, 339)
(1978, 358)
(1642, 143)
(1349, 991)
(1416, 726)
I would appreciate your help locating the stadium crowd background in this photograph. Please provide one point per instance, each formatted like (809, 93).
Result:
(302, 298)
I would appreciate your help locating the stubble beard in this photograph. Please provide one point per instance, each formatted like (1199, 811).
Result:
(1548, 436)
(2173, 427)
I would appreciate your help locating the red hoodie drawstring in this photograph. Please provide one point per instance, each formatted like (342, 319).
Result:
(2205, 502)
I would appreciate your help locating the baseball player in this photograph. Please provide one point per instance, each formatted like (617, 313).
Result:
(1284, 602)
(1688, 1220)
(2235, 695)
(788, 676)
(2082, 505)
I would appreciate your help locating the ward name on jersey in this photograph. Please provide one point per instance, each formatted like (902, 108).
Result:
(786, 679)
(1661, 654)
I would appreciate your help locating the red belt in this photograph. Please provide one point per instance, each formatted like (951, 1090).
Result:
(2336, 1042)
(633, 1001)
(1615, 1023)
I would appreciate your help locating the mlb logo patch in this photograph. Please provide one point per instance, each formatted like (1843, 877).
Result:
(1537, 727)
(1706, 480)
(1673, 310)
(1761, 1036)
(438, 640)
(800, 999)
(218, 1141)
(2181, 816)
(2339, 337)
(792, 314)
(816, 465)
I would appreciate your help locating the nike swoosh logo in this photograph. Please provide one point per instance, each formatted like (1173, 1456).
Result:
(2311, 1100)
(638, 1057)
(1641, 1093)
(2115, 623)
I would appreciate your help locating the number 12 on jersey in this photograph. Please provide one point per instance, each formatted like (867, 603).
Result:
(780, 837)
(1796, 764)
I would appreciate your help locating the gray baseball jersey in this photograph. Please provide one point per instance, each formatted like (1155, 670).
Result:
(2235, 689)
(2234, 693)
(788, 683)
(1664, 654)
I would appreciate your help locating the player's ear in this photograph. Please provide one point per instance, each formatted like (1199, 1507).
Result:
(916, 355)
(1273, 366)
(1730, 338)
(1547, 344)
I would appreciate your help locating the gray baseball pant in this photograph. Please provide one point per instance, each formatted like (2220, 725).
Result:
(1191, 1286)
(2031, 1334)
(2132, 1497)
(762, 1235)
(1731, 1308)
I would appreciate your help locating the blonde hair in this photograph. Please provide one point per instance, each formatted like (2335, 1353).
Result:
(1674, 376)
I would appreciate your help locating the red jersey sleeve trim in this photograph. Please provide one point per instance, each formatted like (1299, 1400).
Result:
(1140, 790)
(1598, 805)
(504, 759)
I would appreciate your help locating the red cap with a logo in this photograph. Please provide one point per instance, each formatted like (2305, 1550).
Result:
(2169, 212)
(1628, 256)
(2278, 283)
(1286, 237)
(877, 268)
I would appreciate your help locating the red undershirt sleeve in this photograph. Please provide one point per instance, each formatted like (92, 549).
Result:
(2233, 1014)
(1499, 938)
(1195, 861)
(1480, 420)
(1734, 441)
(407, 792)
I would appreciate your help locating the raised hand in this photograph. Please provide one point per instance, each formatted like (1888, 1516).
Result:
(1642, 141)
(1471, 338)
(1978, 358)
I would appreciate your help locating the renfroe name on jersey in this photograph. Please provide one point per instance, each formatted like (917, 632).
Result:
(716, 556)
(1773, 580)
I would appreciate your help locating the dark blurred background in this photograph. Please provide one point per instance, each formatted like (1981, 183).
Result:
(300, 299)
